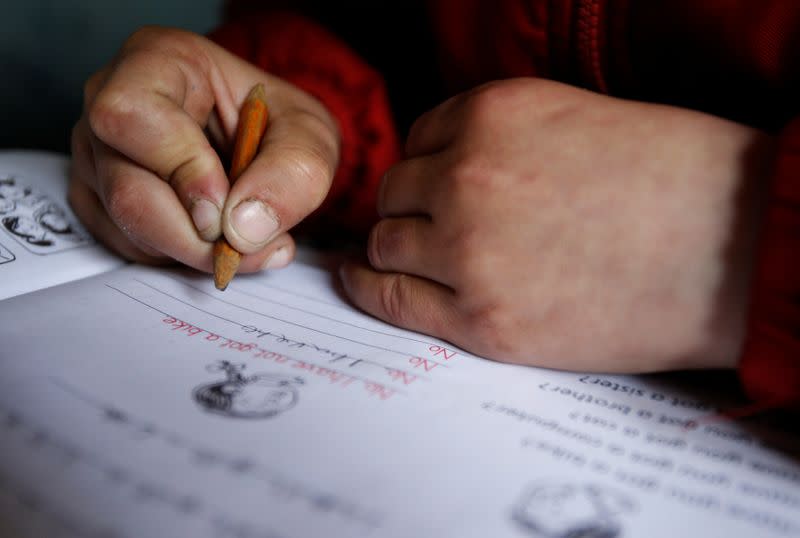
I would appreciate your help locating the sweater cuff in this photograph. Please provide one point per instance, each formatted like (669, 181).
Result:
(307, 55)
(770, 364)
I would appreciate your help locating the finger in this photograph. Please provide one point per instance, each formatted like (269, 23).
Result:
(92, 86)
(145, 209)
(411, 187)
(400, 299)
(276, 255)
(286, 181)
(90, 212)
(82, 161)
(153, 109)
(435, 129)
(408, 245)
(87, 206)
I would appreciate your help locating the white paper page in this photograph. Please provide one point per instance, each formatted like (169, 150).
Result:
(144, 403)
(41, 241)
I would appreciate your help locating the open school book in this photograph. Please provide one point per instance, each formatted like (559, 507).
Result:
(137, 402)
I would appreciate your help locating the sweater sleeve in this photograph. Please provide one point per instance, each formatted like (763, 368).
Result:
(770, 364)
(307, 55)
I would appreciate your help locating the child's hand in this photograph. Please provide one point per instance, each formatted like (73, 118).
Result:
(541, 224)
(146, 180)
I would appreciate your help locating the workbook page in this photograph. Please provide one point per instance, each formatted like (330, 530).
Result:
(41, 241)
(143, 402)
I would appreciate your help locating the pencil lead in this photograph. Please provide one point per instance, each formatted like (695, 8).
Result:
(226, 262)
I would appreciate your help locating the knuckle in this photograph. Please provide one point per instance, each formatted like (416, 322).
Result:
(485, 101)
(310, 168)
(195, 66)
(374, 247)
(188, 56)
(109, 114)
(187, 169)
(91, 87)
(393, 297)
(144, 34)
(382, 197)
(472, 181)
(386, 239)
(492, 325)
(177, 58)
(471, 171)
(493, 99)
(417, 132)
(465, 244)
(154, 36)
(125, 203)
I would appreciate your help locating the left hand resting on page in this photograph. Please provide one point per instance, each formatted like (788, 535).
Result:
(537, 223)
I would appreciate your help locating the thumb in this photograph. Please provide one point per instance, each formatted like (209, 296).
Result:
(287, 180)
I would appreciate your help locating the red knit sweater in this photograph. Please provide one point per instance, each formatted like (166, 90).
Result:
(738, 59)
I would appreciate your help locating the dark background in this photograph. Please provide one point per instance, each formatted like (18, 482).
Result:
(48, 49)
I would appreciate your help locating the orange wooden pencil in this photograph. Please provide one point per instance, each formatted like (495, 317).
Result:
(249, 132)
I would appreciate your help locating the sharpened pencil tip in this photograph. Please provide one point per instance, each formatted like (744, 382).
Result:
(220, 284)
(226, 262)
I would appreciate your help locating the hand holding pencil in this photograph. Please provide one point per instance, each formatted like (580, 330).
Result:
(147, 180)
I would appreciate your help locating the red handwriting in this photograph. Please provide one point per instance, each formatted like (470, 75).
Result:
(272, 355)
(334, 377)
(190, 330)
(331, 375)
(381, 391)
(419, 362)
(443, 352)
(399, 375)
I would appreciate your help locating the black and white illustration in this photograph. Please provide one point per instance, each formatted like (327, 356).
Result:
(6, 255)
(260, 395)
(571, 510)
(35, 221)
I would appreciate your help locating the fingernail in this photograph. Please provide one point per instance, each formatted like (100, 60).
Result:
(205, 216)
(280, 258)
(254, 222)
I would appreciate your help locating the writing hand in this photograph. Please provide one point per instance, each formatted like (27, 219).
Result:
(537, 223)
(146, 178)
